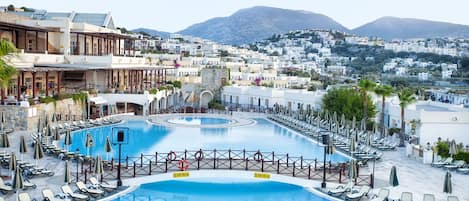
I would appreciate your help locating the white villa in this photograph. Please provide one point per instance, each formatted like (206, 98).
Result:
(265, 98)
(429, 120)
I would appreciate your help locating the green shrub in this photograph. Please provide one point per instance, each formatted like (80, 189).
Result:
(161, 88)
(442, 149)
(213, 104)
(391, 131)
(153, 91)
(462, 156)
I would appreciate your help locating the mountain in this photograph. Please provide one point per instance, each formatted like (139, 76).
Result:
(153, 32)
(404, 28)
(257, 23)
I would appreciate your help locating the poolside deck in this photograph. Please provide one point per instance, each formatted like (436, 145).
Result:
(413, 175)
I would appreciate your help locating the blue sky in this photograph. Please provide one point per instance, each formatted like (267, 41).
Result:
(176, 15)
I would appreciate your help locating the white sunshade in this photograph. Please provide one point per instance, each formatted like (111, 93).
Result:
(98, 100)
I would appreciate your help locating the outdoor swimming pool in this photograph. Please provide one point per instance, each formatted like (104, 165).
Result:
(148, 138)
(229, 190)
(199, 121)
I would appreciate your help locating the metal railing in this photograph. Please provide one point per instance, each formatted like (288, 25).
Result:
(270, 162)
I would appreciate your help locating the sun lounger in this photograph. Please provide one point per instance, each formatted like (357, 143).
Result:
(406, 196)
(24, 197)
(382, 195)
(105, 186)
(463, 170)
(357, 194)
(27, 184)
(457, 164)
(50, 196)
(341, 189)
(442, 163)
(4, 188)
(428, 197)
(93, 192)
(75, 196)
(35, 171)
(452, 198)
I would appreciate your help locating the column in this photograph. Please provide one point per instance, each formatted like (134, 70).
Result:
(34, 84)
(18, 86)
(47, 83)
(58, 83)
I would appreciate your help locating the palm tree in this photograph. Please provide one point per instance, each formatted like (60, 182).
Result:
(383, 91)
(406, 97)
(365, 86)
(6, 71)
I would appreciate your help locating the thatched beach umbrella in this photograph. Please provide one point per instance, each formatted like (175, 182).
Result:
(363, 125)
(67, 175)
(98, 167)
(447, 185)
(39, 125)
(2, 122)
(88, 143)
(353, 146)
(393, 180)
(23, 147)
(352, 171)
(54, 117)
(56, 134)
(12, 163)
(330, 149)
(38, 152)
(453, 149)
(368, 139)
(68, 140)
(108, 147)
(17, 182)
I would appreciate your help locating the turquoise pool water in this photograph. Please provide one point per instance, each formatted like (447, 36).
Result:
(199, 121)
(180, 190)
(148, 138)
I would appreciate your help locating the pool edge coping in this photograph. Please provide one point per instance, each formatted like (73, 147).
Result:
(308, 185)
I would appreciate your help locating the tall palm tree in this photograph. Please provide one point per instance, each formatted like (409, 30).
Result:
(366, 86)
(406, 97)
(383, 91)
(6, 71)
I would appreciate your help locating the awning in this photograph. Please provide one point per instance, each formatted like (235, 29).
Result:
(98, 100)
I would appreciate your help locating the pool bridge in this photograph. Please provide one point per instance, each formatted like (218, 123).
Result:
(258, 161)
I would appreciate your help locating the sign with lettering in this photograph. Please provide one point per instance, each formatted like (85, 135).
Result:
(180, 174)
(260, 175)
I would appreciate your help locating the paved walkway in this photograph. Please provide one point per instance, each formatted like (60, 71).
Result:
(418, 178)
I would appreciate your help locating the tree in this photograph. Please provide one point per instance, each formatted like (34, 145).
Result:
(406, 97)
(383, 91)
(347, 102)
(81, 98)
(6, 71)
(11, 7)
(365, 86)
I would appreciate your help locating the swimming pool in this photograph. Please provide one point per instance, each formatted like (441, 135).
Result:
(199, 121)
(149, 138)
(226, 190)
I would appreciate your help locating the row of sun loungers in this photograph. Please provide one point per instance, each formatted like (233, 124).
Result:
(83, 192)
(341, 142)
(450, 164)
(63, 127)
(354, 193)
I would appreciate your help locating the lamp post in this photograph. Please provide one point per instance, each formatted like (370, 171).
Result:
(119, 181)
(325, 142)
(77, 151)
(373, 171)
